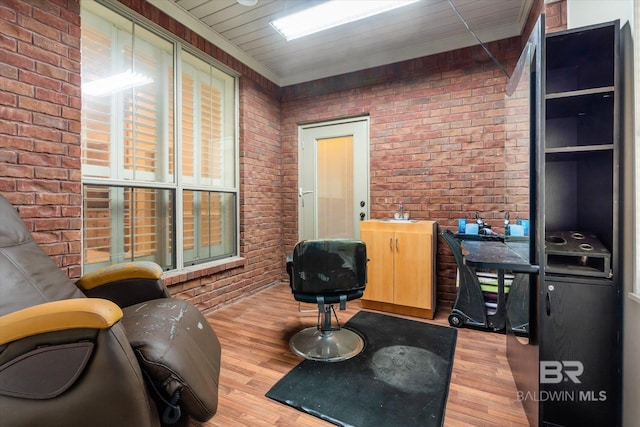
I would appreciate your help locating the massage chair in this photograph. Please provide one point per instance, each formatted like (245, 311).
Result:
(112, 349)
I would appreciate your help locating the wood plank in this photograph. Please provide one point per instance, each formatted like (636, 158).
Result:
(254, 334)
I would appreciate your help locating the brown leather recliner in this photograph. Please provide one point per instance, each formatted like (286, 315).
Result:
(112, 349)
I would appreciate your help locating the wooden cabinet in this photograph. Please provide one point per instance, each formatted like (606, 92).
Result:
(401, 268)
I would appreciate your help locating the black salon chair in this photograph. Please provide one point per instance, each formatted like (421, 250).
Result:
(326, 273)
(112, 349)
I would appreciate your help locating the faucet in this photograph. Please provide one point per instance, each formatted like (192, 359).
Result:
(401, 210)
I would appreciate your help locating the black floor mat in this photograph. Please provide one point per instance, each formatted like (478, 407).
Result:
(400, 379)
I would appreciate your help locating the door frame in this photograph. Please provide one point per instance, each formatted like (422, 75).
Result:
(366, 152)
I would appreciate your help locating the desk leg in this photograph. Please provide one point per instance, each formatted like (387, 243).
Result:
(497, 321)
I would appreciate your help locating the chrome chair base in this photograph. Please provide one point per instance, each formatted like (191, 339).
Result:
(327, 346)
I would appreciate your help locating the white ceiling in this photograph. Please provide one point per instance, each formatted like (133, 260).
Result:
(420, 29)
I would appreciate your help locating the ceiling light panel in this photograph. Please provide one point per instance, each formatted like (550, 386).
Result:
(332, 14)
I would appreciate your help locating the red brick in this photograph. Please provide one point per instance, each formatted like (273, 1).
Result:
(32, 104)
(37, 185)
(14, 86)
(51, 173)
(8, 99)
(8, 44)
(20, 62)
(7, 156)
(7, 185)
(38, 27)
(55, 249)
(38, 211)
(38, 132)
(71, 113)
(8, 71)
(17, 171)
(10, 29)
(50, 121)
(7, 13)
(49, 147)
(38, 53)
(38, 80)
(53, 71)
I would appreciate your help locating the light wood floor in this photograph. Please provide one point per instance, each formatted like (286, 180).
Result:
(255, 332)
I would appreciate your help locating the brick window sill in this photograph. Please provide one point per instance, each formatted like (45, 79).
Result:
(192, 272)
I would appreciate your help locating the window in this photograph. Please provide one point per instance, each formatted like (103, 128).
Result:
(159, 157)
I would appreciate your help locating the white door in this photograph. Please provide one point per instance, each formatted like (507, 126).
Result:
(333, 184)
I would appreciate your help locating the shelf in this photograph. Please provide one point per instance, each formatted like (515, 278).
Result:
(580, 103)
(582, 92)
(578, 119)
(579, 149)
(580, 60)
(574, 153)
(579, 191)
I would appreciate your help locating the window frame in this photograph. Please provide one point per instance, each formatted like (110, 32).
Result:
(175, 182)
(634, 295)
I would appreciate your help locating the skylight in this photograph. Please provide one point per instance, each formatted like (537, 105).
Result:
(331, 14)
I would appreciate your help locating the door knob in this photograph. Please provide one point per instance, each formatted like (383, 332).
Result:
(302, 192)
(362, 215)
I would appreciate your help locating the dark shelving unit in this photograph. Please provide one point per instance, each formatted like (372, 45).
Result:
(574, 302)
(578, 293)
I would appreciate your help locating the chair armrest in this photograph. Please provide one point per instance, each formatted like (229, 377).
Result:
(119, 272)
(61, 315)
(125, 283)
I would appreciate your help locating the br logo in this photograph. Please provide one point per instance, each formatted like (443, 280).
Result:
(554, 372)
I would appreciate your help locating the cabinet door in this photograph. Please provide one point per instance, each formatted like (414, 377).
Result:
(413, 267)
(578, 353)
(380, 266)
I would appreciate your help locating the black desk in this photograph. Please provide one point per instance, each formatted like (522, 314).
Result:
(500, 256)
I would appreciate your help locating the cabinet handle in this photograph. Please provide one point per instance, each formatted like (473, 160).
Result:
(391, 243)
(547, 298)
(397, 247)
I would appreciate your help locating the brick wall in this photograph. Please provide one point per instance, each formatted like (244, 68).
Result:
(556, 15)
(436, 137)
(40, 122)
(436, 142)
(40, 147)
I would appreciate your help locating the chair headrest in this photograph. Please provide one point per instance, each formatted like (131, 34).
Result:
(331, 265)
(12, 229)
(29, 275)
